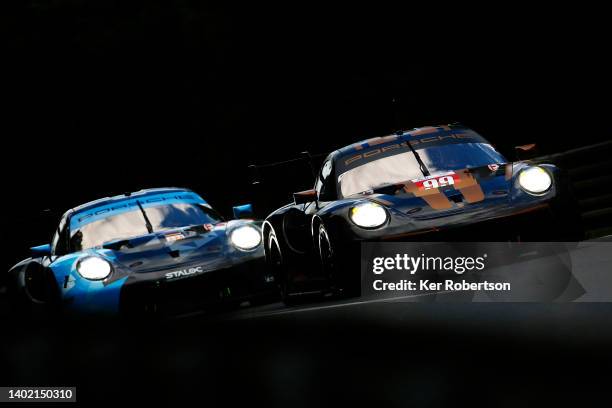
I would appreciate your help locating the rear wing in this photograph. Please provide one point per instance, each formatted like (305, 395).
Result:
(257, 172)
(273, 184)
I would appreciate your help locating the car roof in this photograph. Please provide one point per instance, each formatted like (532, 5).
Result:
(425, 130)
(141, 193)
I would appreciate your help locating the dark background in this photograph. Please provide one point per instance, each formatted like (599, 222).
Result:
(104, 97)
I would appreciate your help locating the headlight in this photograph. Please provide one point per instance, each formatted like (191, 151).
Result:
(94, 268)
(368, 215)
(535, 180)
(245, 237)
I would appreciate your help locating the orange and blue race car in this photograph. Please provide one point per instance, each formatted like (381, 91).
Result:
(159, 251)
(435, 183)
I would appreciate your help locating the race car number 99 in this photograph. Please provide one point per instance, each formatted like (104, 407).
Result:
(436, 181)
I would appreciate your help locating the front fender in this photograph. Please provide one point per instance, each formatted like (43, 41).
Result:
(15, 271)
(78, 294)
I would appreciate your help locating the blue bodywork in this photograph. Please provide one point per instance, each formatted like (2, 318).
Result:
(157, 259)
(243, 211)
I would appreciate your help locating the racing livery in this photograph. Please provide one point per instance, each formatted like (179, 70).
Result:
(427, 184)
(159, 250)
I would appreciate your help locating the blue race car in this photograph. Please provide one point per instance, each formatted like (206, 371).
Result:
(161, 251)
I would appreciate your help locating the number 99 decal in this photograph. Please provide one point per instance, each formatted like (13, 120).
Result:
(436, 181)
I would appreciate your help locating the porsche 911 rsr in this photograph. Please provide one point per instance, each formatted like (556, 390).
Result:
(428, 184)
(159, 250)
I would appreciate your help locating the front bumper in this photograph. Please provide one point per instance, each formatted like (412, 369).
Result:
(223, 282)
(510, 223)
(536, 223)
(224, 286)
(531, 224)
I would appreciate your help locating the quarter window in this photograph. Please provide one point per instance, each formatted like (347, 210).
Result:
(58, 244)
(325, 185)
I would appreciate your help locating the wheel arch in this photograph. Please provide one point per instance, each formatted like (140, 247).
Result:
(314, 230)
(38, 282)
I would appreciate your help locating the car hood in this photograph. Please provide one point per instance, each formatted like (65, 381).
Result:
(448, 193)
(171, 249)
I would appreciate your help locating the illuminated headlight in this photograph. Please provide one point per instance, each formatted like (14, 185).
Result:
(535, 180)
(94, 268)
(368, 215)
(245, 237)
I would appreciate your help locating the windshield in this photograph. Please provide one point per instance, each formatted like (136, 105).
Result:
(132, 224)
(404, 166)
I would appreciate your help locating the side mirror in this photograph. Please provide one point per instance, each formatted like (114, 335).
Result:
(40, 251)
(306, 196)
(525, 152)
(243, 211)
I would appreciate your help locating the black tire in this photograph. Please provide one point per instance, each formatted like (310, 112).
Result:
(325, 252)
(290, 294)
(33, 293)
(274, 258)
(340, 281)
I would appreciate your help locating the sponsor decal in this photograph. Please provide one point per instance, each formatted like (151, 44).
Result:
(428, 188)
(428, 183)
(196, 270)
(174, 236)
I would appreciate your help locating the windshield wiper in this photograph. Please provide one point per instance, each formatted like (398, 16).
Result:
(144, 214)
(422, 166)
(118, 244)
(389, 189)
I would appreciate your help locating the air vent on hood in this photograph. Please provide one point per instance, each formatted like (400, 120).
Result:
(457, 198)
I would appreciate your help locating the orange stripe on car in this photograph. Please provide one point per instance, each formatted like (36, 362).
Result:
(375, 141)
(433, 197)
(469, 187)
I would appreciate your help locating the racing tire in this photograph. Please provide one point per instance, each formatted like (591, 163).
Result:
(33, 293)
(340, 281)
(280, 271)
